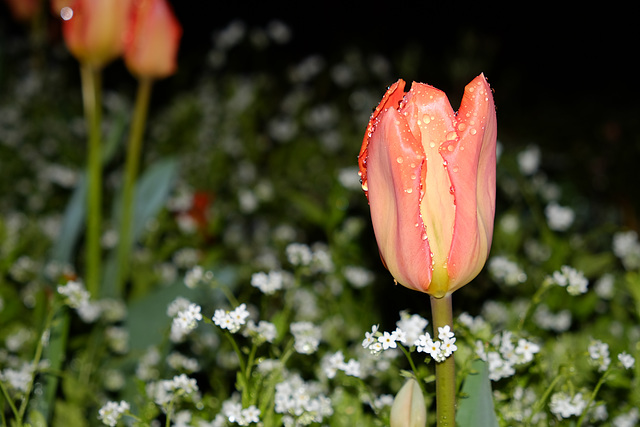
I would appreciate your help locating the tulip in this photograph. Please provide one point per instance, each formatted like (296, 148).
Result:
(153, 39)
(408, 409)
(429, 175)
(24, 10)
(95, 32)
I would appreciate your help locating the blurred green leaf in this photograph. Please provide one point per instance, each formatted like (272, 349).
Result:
(476, 408)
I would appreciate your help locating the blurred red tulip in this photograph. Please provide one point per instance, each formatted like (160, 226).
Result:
(153, 39)
(430, 177)
(24, 10)
(95, 32)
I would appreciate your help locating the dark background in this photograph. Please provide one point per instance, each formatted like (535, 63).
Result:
(564, 78)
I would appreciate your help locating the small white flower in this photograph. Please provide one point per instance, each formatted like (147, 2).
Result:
(307, 337)
(529, 160)
(445, 332)
(369, 337)
(559, 217)
(526, 350)
(448, 346)
(111, 412)
(268, 283)
(627, 360)
(75, 293)
(399, 335)
(299, 254)
(387, 341)
(599, 353)
(572, 279)
(565, 406)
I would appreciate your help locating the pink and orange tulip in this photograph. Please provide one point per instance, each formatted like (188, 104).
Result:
(153, 40)
(95, 33)
(429, 174)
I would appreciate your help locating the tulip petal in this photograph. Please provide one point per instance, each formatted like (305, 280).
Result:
(430, 114)
(394, 166)
(471, 160)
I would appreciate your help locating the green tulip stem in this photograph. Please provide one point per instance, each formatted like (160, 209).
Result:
(442, 314)
(134, 149)
(91, 97)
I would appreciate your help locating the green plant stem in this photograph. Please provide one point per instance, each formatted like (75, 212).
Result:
(442, 314)
(36, 361)
(535, 300)
(593, 396)
(91, 97)
(134, 148)
(413, 368)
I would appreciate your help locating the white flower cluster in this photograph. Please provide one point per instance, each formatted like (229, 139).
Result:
(505, 356)
(626, 360)
(564, 406)
(335, 362)
(262, 331)
(18, 379)
(307, 337)
(503, 270)
(546, 319)
(197, 275)
(78, 298)
(180, 362)
(165, 391)
(235, 413)
(359, 277)
(630, 419)
(529, 160)
(412, 325)
(302, 402)
(268, 283)
(231, 320)
(572, 279)
(410, 329)
(559, 218)
(185, 318)
(599, 353)
(111, 412)
(627, 247)
(440, 349)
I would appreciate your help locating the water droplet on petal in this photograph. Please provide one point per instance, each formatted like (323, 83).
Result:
(399, 159)
(451, 136)
(472, 131)
(66, 13)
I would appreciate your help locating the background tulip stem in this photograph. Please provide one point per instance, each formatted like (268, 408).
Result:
(442, 313)
(134, 148)
(91, 97)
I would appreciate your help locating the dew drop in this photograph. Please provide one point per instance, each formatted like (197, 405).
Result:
(409, 190)
(424, 236)
(450, 147)
(399, 159)
(432, 144)
(426, 119)
(455, 169)
(451, 136)
(66, 13)
(472, 131)
(365, 187)
(462, 127)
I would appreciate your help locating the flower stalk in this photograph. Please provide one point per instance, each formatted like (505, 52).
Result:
(442, 315)
(91, 96)
(134, 148)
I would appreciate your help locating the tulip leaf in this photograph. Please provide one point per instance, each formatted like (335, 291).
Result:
(476, 407)
(72, 223)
